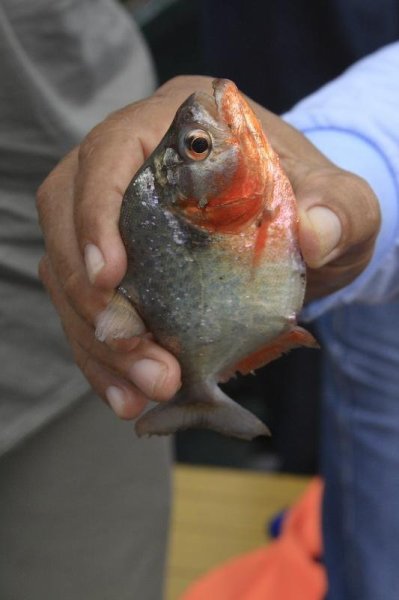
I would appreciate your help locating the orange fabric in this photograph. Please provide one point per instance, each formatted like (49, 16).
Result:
(284, 570)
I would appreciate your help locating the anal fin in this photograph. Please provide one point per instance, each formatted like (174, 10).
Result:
(294, 338)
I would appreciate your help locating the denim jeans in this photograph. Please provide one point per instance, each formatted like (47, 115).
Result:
(360, 451)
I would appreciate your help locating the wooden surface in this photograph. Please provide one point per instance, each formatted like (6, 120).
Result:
(219, 513)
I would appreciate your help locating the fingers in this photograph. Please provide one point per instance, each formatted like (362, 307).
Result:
(125, 400)
(182, 86)
(126, 379)
(79, 206)
(55, 207)
(109, 157)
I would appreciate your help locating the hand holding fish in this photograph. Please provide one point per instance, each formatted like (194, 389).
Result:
(79, 206)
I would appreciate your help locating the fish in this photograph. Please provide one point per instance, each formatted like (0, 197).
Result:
(210, 227)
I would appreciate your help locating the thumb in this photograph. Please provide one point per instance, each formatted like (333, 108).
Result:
(320, 235)
(339, 219)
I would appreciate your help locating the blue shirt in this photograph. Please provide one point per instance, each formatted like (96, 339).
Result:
(354, 121)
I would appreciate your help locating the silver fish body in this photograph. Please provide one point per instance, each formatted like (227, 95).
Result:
(200, 286)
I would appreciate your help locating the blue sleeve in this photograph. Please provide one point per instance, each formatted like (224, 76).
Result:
(354, 120)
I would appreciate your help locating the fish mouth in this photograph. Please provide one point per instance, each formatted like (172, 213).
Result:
(235, 111)
(229, 103)
(226, 104)
(223, 88)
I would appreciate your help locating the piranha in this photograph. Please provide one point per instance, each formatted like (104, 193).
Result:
(209, 223)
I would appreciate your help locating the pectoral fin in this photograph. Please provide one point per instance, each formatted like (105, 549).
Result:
(119, 320)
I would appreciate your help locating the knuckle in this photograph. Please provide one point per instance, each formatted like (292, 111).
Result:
(122, 346)
(71, 285)
(371, 203)
(122, 116)
(96, 136)
(79, 295)
(366, 207)
(166, 390)
(179, 81)
(173, 82)
(86, 343)
(169, 385)
(91, 142)
(185, 84)
(87, 146)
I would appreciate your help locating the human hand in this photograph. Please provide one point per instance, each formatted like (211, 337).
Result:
(339, 215)
(79, 207)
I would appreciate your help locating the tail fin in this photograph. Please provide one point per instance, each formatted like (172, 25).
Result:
(206, 407)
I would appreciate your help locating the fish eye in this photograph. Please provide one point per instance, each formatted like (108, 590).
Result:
(197, 144)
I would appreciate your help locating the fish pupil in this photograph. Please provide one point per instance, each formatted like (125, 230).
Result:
(199, 145)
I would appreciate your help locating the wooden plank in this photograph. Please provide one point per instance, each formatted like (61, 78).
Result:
(220, 513)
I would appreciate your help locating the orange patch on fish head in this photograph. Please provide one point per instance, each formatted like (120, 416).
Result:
(256, 154)
(244, 199)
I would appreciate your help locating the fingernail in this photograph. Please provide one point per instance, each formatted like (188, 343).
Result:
(328, 228)
(117, 400)
(94, 260)
(148, 375)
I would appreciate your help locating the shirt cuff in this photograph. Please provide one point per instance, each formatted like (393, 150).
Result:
(361, 156)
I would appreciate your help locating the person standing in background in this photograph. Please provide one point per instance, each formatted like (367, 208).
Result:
(84, 506)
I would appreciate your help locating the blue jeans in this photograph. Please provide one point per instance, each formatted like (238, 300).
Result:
(360, 451)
